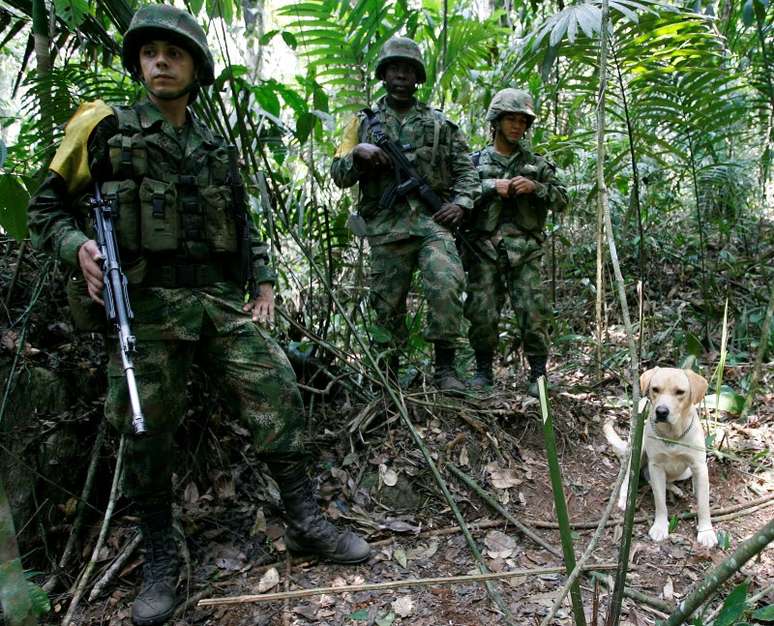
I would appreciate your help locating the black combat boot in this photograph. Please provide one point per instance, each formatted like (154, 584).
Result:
(537, 368)
(445, 378)
(157, 599)
(308, 531)
(483, 376)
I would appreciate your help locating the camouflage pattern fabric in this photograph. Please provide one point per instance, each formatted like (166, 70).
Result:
(442, 281)
(256, 378)
(508, 236)
(174, 326)
(405, 238)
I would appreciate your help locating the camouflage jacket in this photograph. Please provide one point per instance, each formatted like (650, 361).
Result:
(438, 150)
(524, 214)
(170, 184)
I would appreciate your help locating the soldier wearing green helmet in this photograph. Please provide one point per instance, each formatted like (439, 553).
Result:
(518, 188)
(172, 185)
(407, 235)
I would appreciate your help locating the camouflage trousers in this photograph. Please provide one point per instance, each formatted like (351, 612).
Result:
(515, 273)
(392, 269)
(254, 374)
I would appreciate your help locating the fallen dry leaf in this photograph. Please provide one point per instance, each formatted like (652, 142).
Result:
(269, 580)
(499, 545)
(502, 478)
(388, 476)
(669, 589)
(403, 606)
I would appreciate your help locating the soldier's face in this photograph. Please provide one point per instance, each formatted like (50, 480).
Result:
(512, 126)
(400, 80)
(166, 68)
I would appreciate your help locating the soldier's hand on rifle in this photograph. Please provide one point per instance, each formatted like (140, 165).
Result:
(89, 259)
(370, 157)
(520, 184)
(503, 187)
(262, 307)
(449, 214)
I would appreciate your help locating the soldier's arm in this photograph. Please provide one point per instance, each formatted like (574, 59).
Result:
(466, 186)
(344, 171)
(54, 224)
(549, 187)
(262, 270)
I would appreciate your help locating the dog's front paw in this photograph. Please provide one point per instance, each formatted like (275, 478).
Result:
(707, 538)
(659, 531)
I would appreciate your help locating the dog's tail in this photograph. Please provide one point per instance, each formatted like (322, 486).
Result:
(618, 444)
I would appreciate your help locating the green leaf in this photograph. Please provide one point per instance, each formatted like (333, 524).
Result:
(747, 13)
(195, 6)
(73, 12)
(733, 606)
(361, 615)
(39, 598)
(305, 124)
(267, 37)
(13, 206)
(764, 614)
(379, 334)
(290, 39)
(729, 401)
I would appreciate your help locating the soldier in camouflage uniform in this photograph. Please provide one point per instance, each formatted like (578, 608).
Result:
(168, 178)
(408, 236)
(518, 189)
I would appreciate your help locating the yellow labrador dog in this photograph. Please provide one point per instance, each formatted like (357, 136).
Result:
(672, 446)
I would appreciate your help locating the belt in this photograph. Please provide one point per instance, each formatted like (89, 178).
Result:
(184, 275)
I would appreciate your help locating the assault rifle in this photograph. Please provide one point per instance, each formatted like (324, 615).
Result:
(407, 179)
(116, 298)
(242, 217)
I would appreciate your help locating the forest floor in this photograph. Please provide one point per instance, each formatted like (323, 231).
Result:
(380, 485)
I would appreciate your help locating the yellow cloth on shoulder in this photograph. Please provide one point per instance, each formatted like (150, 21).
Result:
(71, 160)
(350, 139)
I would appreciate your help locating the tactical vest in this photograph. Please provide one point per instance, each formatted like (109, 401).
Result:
(526, 213)
(428, 149)
(173, 210)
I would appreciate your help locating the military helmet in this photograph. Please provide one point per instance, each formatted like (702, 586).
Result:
(162, 21)
(511, 101)
(401, 49)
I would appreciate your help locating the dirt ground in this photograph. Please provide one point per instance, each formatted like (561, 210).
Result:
(372, 477)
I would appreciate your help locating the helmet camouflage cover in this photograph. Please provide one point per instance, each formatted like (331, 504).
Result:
(401, 49)
(162, 21)
(511, 101)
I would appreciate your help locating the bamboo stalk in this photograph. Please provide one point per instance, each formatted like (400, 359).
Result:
(561, 505)
(578, 569)
(394, 584)
(720, 574)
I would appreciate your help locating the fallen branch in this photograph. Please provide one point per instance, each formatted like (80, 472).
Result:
(395, 584)
(720, 574)
(50, 584)
(115, 568)
(744, 507)
(81, 585)
(481, 493)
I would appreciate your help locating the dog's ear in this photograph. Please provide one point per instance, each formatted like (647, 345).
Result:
(698, 384)
(645, 379)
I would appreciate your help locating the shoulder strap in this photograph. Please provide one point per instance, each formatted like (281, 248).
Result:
(476, 157)
(128, 124)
